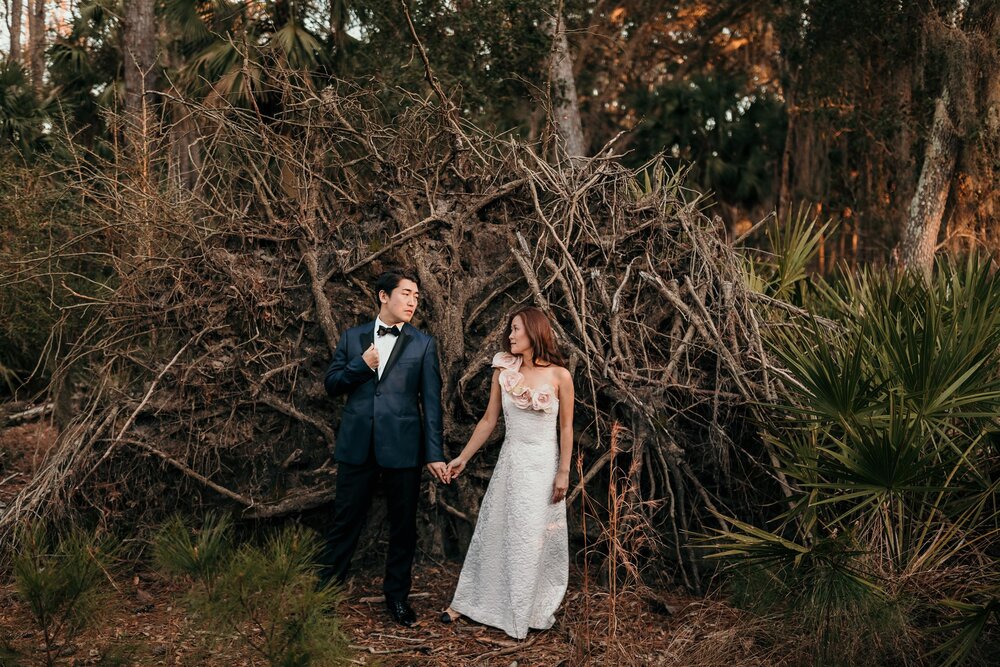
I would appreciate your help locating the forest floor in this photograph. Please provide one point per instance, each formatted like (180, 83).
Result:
(145, 622)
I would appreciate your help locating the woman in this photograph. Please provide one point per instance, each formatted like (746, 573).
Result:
(516, 570)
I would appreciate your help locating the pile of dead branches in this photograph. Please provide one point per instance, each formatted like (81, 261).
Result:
(202, 373)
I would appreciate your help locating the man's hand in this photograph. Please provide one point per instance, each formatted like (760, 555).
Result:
(371, 357)
(560, 487)
(439, 470)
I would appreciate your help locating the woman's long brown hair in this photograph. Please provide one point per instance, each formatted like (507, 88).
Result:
(539, 332)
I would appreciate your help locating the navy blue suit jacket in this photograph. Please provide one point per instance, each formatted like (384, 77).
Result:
(401, 412)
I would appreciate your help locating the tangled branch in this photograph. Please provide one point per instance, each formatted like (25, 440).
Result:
(230, 296)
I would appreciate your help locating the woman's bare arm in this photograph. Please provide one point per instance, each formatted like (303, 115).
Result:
(566, 401)
(482, 431)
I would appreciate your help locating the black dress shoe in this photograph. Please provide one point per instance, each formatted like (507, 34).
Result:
(401, 612)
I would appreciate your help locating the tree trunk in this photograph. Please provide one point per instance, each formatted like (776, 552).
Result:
(339, 15)
(904, 159)
(989, 207)
(565, 106)
(36, 42)
(140, 44)
(973, 218)
(185, 148)
(16, 10)
(784, 204)
(916, 248)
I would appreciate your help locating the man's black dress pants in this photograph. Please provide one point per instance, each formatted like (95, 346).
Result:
(355, 489)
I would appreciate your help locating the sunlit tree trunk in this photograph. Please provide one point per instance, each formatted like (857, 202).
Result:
(961, 149)
(973, 220)
(916, 249)
(565, 105)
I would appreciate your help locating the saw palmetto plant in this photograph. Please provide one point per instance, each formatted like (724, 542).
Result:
(887, 433)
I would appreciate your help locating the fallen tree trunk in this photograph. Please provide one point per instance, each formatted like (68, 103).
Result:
(31, 414)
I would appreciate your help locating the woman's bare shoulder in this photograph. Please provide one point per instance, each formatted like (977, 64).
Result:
(561, 373)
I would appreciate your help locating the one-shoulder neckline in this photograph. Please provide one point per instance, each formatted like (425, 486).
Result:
(534, 390)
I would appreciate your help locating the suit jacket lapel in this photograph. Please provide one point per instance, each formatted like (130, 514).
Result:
(397, 349)
(367, 337)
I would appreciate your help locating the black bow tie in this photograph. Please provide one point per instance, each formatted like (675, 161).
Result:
(388, 330)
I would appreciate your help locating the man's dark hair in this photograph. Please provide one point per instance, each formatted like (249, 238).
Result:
(390, 279)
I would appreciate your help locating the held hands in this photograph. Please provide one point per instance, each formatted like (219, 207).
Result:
(456, 467)
(445, 473)
(440, 471)
(371, 357)
(560, 486)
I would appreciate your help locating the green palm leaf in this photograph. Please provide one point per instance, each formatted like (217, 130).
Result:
(187, 19)
(970, 625)
(794, 244)
(832, 377)
(297, 46)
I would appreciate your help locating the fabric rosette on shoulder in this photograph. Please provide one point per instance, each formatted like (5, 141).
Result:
(509, 375)
(506, 361)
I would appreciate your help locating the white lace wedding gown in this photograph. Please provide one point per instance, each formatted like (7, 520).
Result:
(517, 567)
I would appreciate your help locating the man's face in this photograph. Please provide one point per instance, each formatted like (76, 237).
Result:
(400, 305)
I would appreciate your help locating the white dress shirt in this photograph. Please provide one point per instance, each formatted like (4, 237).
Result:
(384, 344)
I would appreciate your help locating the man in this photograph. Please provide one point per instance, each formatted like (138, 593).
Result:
(390, 425)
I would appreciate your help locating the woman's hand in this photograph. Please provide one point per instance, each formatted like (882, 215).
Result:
(561, 486)
(455, 468)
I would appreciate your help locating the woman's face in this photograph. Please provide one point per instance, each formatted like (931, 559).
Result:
(519, 341)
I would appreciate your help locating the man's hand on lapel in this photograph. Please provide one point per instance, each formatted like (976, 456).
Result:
(371, 357)
(440, 471)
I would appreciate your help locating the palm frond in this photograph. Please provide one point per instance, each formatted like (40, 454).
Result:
(297, 47)
(794, 245)
(189, 21)
(969, 626)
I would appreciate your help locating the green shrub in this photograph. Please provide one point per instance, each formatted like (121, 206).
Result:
(820, 593)
(201, 555)
(266, 595)
(8, 656)
(59, 579)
